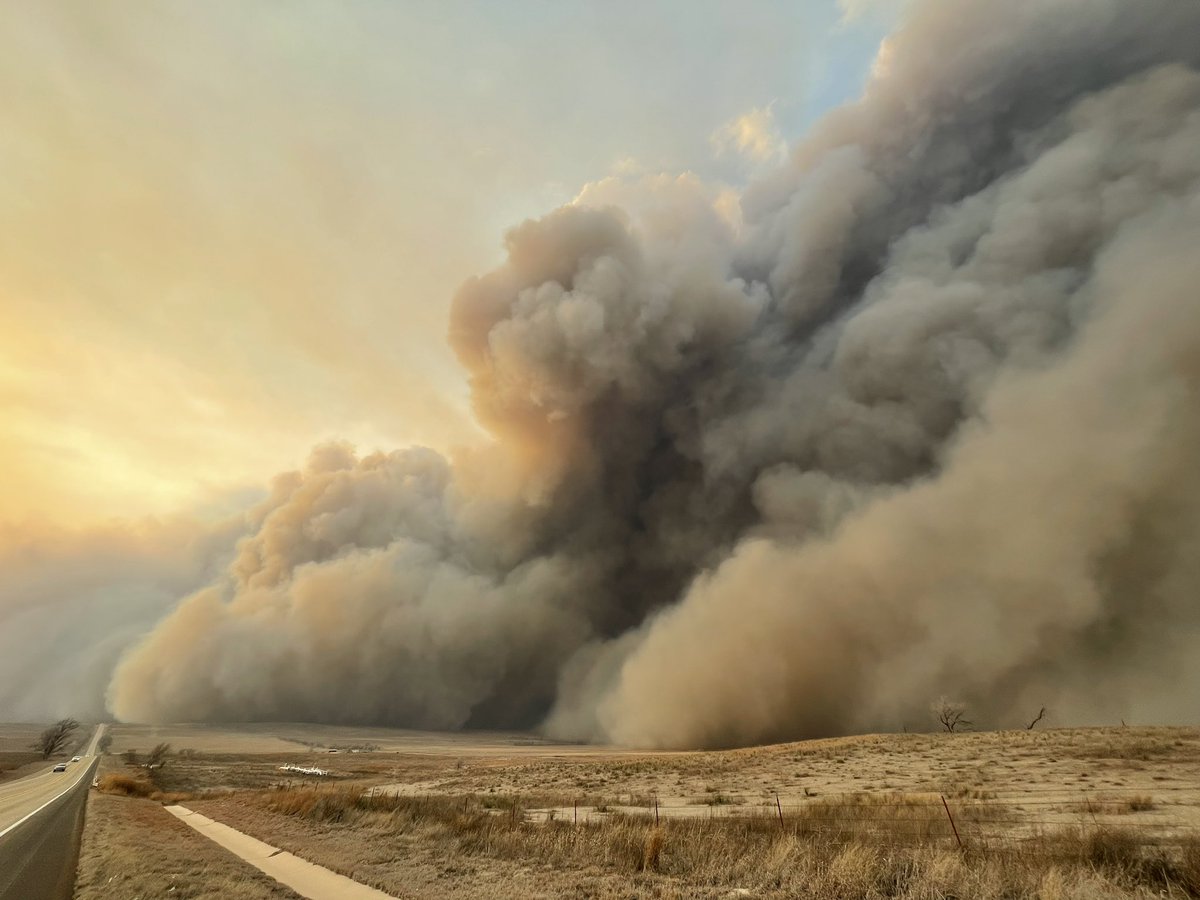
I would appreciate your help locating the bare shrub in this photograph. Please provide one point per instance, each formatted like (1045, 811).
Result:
(1140, 803)
(951, 714)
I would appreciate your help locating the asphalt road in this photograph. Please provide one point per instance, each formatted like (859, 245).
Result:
(41, 817)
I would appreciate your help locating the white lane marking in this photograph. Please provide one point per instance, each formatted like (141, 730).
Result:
(62, 793)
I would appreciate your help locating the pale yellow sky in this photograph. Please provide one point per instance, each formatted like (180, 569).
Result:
(229, 230)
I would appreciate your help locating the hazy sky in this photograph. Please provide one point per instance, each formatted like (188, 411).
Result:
(229, 230)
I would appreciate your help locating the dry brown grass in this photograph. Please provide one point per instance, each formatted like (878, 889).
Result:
(1189, 867)
(15, 764)
(141, 785)
(1049, 814)
(135, 848)
(116, 783)
(879, 847)
(15, 737)
(194, 771)
(1114, 806)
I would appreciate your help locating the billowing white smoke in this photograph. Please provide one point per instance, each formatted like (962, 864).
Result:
(922, 423)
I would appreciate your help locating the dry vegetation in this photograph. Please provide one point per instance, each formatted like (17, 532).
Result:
(17, 757)
(135, 848)
(138, 786)
(887, 847)
(18, 763)
(1069, 813)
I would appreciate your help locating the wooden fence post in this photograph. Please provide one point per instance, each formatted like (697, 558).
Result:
(779, 807)
(953, 827)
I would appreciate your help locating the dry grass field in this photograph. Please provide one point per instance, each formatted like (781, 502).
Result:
(1063, 813)
(15, 764)
(135, 848)
(285, 737)
(16, 756)
(16, 737)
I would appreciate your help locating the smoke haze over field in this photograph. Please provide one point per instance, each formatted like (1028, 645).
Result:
(917, 416)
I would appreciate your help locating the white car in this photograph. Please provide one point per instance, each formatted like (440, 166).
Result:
(76, 758)
(61, 767)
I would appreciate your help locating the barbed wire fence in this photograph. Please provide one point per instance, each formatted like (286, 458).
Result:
(1168, 817)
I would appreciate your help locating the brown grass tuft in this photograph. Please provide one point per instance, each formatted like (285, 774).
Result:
(126, 785)
(653, 850)
(1189, 867)
(129, 786)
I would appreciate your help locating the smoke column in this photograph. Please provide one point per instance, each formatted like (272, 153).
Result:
(922, 420)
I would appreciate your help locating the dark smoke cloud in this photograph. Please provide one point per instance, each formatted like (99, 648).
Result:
(921, 423)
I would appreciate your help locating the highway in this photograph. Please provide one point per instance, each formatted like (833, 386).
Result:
(41, 817)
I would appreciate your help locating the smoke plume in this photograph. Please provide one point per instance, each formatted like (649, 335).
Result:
(72, 601)
(917, 418)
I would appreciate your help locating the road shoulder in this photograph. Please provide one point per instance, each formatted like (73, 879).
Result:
(134, 848)
(306, 878)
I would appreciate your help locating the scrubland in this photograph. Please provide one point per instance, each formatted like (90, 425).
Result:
(1081, 813)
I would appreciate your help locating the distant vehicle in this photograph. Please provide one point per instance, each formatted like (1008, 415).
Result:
(61, 767)
(76, 758)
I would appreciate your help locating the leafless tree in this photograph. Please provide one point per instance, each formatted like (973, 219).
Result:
(105, 743)
(1041, 715)
(130, 756)
(157, 756)
(54, 738)
(950, 714)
